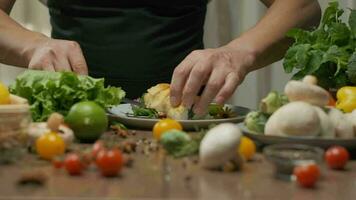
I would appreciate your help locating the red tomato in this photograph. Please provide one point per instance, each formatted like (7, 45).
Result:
(97, 146)
(337, 157)
(307, 174)
(109, 162)
(57, 163)
(73, 164)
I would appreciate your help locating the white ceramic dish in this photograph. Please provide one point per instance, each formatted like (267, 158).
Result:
(313, 141)
(121, 112)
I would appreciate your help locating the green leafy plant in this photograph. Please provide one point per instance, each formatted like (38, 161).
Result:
(49, 92)
(326, 51)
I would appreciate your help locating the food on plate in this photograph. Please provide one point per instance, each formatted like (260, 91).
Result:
(256, 121)
(88, 120)
(327, 52)
(164, 125)
(158, 98)
(73, 164)
(337, 157)
(247, 148)
(307, 174)
(156, 104)
(109, 162)
(343, 126)
(219, 146)
(50, 145)
(326, 124)
(304, 113)
(307, 91)
(49, 92)
(346, 99)
(272, 102)
(4, 94)
(294, 119)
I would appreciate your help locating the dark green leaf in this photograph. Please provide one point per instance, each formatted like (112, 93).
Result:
(351, 68)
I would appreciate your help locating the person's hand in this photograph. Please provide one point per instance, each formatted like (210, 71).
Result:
(57, 55)
(219, 70)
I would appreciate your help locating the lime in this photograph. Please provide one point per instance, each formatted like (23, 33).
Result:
(4, 94)
(88, 121)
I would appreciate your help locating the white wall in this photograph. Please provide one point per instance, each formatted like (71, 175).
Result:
(226, 19)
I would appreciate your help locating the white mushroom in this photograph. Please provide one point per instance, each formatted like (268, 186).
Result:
(219, 146)
(352, 118)
(294, 119)
(343, 127)
(307, 91)
(37, 129)
(327, 127)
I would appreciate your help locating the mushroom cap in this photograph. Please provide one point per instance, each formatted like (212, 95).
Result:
(219, 145)
(327, 127)
(304, 91)
(294, 119)
(343, 126)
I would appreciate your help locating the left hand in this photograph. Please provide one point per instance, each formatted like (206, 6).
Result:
(220, 70)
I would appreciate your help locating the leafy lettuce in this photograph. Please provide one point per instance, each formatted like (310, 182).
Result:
(326, 51)
(49, 92)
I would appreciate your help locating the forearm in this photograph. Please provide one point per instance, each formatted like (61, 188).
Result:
(266, 41)
(14, 41)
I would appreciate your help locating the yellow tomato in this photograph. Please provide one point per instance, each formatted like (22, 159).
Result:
(4, 94)
(50, 145)
(247, 148)
(165, 125)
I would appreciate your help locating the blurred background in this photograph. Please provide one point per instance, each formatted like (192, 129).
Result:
(226, 19)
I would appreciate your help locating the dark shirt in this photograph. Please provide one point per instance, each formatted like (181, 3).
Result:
(132, 43)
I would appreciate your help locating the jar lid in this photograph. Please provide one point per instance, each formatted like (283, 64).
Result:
(14, 108)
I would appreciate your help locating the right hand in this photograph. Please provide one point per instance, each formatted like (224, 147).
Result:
(57, 55)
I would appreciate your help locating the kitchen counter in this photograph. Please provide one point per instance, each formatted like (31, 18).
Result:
(155, 176)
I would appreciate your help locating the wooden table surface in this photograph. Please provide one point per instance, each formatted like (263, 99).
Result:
(155, 177)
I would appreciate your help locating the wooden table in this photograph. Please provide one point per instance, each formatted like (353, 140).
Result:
(154, 177)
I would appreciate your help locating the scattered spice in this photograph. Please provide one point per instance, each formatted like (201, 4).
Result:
(128, 160)
(128, 147)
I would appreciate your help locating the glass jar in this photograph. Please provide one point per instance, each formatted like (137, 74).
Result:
(14, 122)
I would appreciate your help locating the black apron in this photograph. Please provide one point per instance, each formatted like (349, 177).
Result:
(134, 44)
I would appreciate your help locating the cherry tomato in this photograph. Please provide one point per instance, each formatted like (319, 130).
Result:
(165, 125)
(50, 145)
(336, 157)
(73, 164)
(109, 162)
(307, 174)
(97, 146)
(57, 162)
(247, 148)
